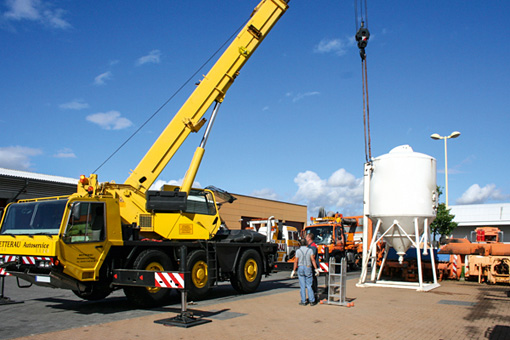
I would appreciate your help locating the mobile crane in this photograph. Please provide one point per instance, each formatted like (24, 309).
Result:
(87, 241)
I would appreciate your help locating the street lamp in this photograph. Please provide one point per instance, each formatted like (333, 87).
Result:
(454, 134)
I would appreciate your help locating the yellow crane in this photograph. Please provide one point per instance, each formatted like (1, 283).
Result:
(98, 239)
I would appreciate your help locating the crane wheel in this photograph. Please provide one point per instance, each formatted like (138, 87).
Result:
(96, 290)
(156, 260)
(200, 282)
(248, 274)
(95, 293)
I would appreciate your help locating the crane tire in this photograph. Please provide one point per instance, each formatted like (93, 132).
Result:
(246, 278)
(94, 294)
(156, 260)
(200, 281)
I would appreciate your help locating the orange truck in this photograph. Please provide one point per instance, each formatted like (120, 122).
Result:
(485, 258)
(339, 236)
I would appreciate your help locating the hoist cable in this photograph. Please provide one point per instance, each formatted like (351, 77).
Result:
(172, 96)
(362, 36)
(365, 17)
(367, 125)
(356, 15)
(364, 113)
(359, 14)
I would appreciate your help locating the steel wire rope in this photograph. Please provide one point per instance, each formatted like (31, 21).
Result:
(366, 116)
(362, 16)
(171, 97)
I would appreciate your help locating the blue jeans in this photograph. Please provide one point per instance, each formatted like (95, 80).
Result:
(305, 276)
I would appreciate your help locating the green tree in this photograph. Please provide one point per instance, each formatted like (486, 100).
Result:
(443, 224)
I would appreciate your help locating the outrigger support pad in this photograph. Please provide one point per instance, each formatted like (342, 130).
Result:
(186, 318)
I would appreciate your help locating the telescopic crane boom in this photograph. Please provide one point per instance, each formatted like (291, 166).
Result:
(211, 89)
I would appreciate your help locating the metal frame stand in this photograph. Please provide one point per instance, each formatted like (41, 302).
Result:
(185, 318)
(336, 283)
(375, 279)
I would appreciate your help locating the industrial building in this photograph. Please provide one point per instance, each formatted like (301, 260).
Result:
(246, 208)
(15, 185)
(471, 216)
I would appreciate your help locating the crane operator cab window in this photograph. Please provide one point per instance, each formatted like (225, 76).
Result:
(86, 223)
(200, 202)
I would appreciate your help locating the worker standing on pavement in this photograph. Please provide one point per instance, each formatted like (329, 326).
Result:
(305, 261)
(310, 241)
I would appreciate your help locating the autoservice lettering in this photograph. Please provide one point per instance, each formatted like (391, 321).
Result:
(36, 245)
(20, 244)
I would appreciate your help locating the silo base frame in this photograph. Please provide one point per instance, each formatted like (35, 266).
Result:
(375, 280)
(400, 284)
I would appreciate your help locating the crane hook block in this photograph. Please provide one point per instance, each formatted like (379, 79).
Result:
(362, 37)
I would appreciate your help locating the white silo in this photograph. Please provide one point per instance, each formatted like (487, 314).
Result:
(401, 202)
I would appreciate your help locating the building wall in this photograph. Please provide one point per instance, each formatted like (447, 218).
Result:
(245, 208)
(471, 216)
(24, 188)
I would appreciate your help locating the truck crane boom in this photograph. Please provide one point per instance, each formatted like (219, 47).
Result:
(211, 89)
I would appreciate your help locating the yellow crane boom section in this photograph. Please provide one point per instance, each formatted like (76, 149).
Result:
(212, 88)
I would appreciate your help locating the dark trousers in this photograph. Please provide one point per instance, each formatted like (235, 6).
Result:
(315, 287)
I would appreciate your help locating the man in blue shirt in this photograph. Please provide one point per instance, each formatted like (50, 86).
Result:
(305, 260)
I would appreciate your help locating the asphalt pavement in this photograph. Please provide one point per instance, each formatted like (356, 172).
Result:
(455, 310)
(42, 310)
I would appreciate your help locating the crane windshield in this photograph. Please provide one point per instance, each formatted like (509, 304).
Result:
(323, 234)
(32, 218)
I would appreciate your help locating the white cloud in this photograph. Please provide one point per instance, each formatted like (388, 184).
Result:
(17, 157)
(159, 184)
(266, 193)
(111, 120)
(65, 153)
(77, 104)
(35, 10)
(476, 194)
(22, 9)
(101, 79)
(336, 46)
(300, 96)
(153, 57)
(342, 192)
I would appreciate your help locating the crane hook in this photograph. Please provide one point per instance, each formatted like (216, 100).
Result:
(362, 37)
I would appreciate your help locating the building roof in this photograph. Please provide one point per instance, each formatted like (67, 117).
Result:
(36, 176)
(481, 214)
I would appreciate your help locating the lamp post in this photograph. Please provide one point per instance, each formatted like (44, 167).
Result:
(436, 136)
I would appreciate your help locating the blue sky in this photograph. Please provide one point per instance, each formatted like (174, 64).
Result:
(79, 77)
